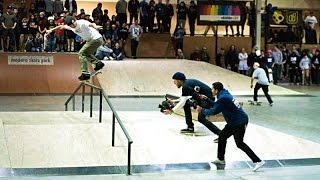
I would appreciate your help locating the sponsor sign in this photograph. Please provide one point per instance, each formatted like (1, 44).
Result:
(31, 60)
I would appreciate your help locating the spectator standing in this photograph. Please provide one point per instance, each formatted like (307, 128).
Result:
(105, 16)
(133, 8)
(205, 55)
(50, 37)
(243, 57)
(24, 31)
(232, 59)
(182, 12)
(32, 9)
(40, 6)
(179, 38)
(42, 24)
(60, 34)
(49, 7)
(97, 12)
(169, 15)
(151, 15)
(316, 67)
(71, 6)
(278, 58)
(243, 18)
(144, 7)
(135, 32)
(58, 7)
(192, 16)
(252, 19)
(22, 10)
(1, 31)
(160, 10)
(305, 67)
(121, 10)
(123, 36)
(311, 20)
(9, 24)
(17, 29)
(107, 30)
(222, 59)
(293, 62)
(33, 25)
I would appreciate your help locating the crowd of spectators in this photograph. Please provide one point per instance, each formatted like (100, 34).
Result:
(295, 66)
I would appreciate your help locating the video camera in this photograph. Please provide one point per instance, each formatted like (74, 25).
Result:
(193, 101)
(165, 105)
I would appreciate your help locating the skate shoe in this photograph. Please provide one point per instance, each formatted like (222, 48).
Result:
(99, 66)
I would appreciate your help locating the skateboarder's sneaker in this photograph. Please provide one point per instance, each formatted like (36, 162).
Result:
(271, 104)
(99, 66)
(216, 140)
(258, 165)
(84, 76)
(218, 161)
(187, 130)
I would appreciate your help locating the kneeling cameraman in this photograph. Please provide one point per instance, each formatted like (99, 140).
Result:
(193, 88)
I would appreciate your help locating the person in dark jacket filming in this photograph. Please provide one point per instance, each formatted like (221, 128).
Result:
(191, 88)
(237, 121)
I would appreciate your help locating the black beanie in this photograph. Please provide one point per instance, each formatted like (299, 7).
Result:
(179, 76)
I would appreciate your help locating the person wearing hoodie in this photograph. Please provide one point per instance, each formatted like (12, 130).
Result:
(236, 119)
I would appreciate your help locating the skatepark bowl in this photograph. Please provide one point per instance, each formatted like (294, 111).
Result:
(111, 127)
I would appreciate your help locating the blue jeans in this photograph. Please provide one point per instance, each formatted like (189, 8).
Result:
(100, 55)
(50, 45)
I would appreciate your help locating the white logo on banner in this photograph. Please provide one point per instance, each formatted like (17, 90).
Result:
(30, 60)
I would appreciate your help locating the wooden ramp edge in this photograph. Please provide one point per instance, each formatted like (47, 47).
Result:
(149, 77)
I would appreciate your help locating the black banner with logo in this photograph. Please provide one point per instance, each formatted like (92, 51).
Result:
(285, 17)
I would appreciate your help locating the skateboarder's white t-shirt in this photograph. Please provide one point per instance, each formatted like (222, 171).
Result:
(84, 30)
(261, 75)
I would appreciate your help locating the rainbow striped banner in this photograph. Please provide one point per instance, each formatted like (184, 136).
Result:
(220, 13)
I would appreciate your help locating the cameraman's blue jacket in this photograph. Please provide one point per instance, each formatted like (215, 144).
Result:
(230, 108)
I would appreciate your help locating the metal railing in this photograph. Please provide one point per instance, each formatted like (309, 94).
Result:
(114, 113)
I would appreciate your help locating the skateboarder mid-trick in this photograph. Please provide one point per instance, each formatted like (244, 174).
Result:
(263, 83)
(88, 32)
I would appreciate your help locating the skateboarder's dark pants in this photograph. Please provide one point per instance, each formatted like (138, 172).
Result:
(238, 134)
(86, 53)
(201, 118)
(265, 89)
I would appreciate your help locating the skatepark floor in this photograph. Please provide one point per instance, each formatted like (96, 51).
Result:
(295, 116)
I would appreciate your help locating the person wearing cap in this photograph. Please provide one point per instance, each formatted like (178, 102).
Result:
(237, 122)
(88, 32)
(195, 89)
(263, 83)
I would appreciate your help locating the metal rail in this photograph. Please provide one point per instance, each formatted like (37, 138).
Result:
(114, 114)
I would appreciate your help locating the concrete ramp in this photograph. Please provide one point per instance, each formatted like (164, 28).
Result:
(153, 78)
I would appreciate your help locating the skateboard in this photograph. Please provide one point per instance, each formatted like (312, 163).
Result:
(270, 75)
(195, 133)
(252, 103)
(93, 73)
